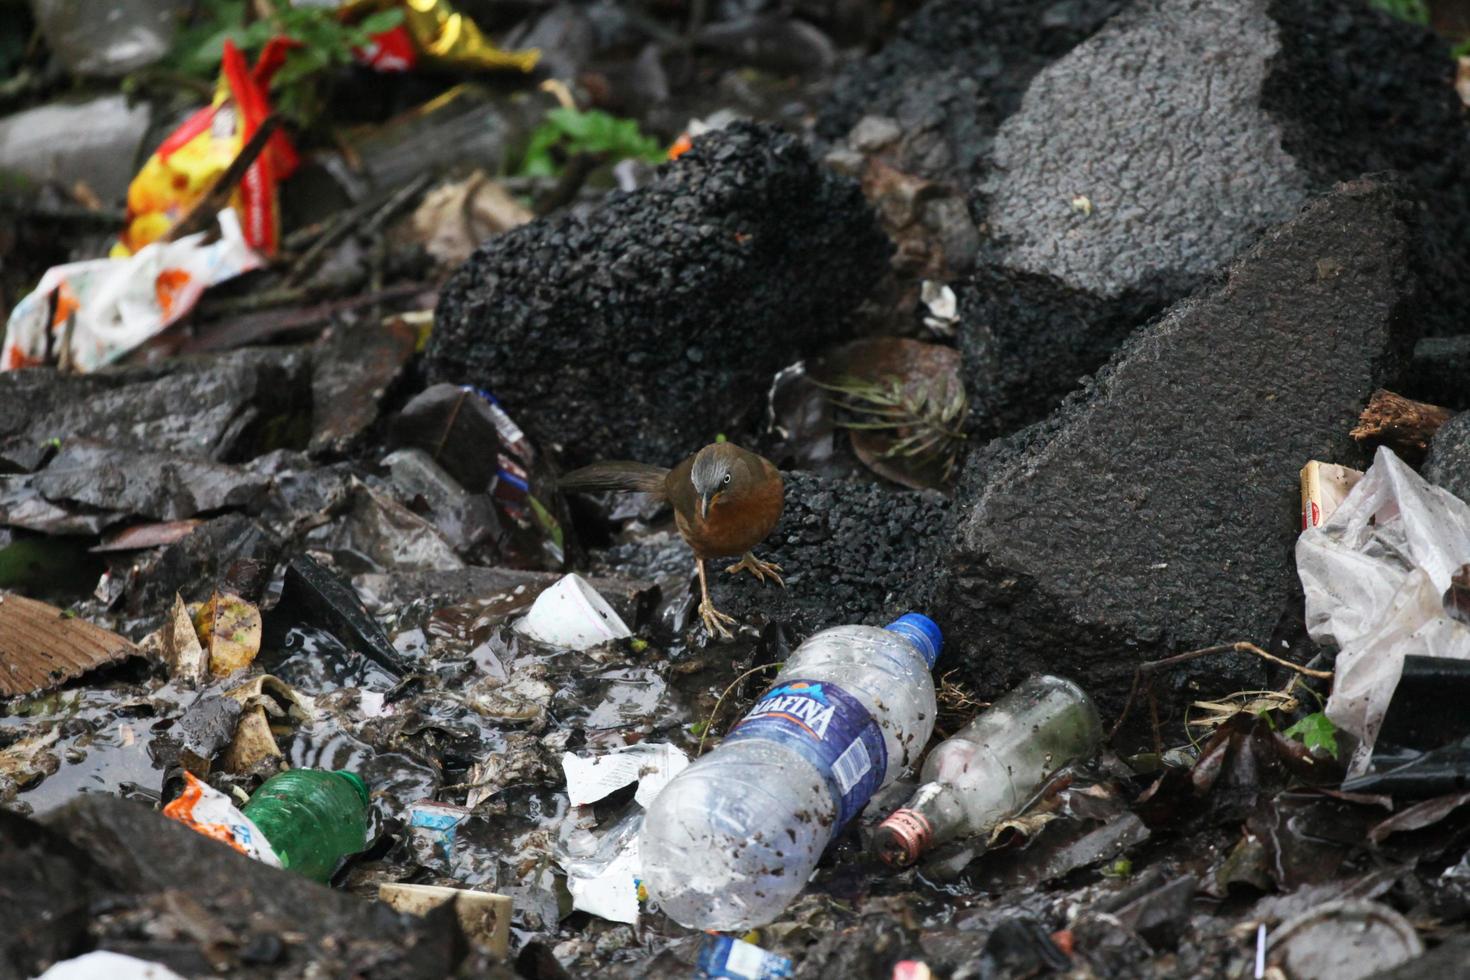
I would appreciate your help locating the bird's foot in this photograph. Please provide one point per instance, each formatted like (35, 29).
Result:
(714, 620)
(760, 569)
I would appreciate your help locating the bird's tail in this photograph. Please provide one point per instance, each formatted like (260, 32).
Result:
(616, 475)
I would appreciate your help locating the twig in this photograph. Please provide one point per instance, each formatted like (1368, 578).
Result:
(1154, 666)
(374, 214)
(710, 721)
(218, 195)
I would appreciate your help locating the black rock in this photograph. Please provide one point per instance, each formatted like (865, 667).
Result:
(1439, 372)
(209, 725)
(1155, 512)
(353, 366)
(129, 857)
(955, 70)
(1148, 157)
(850, 553)
(226, 408)
(313, 596)
(654, 322)
(198, 564)
(1448, 463)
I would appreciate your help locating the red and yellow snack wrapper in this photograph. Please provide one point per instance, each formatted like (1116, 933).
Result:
(184, 167)
(434, 31)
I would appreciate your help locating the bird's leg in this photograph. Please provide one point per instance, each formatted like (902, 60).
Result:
(714, 620)
(760, 569)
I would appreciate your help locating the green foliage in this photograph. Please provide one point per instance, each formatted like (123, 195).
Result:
(1414, 11)
(324, 44)
(565, 133)
(1316, 732)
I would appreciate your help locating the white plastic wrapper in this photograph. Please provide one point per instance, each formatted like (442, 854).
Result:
(1374, 576)
(109, 965)
(653, 764)
(211, 813)
(119, 303)
(604, 878)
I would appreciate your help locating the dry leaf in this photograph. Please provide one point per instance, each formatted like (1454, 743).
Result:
(146, 536)
(178, 645)
(41, 647)
(229, 628)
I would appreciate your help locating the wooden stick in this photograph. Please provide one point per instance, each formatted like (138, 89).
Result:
(1153, 666)
(218, 195)
(1402, 424)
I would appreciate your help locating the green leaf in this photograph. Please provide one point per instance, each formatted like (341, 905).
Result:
(1316, 732)
(1414, 11)
(383, 20)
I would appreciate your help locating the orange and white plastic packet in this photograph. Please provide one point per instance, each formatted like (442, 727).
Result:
(210, 812)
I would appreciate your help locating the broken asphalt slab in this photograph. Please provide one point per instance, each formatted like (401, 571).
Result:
(119, 865)
(1155, 512)
(654, 321)
(1149, 156)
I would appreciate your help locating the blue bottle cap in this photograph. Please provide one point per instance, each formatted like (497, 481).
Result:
(922, 632)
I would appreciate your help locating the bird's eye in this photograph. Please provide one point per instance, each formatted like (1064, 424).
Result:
(727, 477)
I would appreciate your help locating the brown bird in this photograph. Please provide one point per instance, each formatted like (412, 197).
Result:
(725, 499)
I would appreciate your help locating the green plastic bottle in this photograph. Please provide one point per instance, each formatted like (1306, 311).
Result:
(312, 818)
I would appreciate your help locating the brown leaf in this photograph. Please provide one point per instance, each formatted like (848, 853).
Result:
(177, 644)
(1418, 816)
(229, 628)
(41, 647)
(146, 536)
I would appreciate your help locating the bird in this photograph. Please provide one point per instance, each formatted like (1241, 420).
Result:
(726, 501)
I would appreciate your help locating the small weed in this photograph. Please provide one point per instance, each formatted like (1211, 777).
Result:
(566, 133)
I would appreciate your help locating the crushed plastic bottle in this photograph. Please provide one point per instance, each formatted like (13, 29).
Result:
(312, 818)
(989, 769)
(733, 838)
(108, 40)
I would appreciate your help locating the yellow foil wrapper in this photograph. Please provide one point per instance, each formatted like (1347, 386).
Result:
(444, 35)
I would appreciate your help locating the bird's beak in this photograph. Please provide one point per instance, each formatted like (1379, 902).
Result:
(704, 502)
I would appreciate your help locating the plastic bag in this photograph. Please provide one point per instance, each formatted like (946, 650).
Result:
(1374, 575)
(100, 309)
(210, 812)
(186, 164)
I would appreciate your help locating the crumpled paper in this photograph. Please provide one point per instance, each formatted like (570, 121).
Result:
(606, 878)
(1374, 576)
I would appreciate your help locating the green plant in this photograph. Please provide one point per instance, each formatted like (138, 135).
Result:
(565, 133)
(1414, 11)
(323, 43)
(1316, 732)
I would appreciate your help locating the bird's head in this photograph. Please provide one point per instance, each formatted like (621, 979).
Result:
(714, 473)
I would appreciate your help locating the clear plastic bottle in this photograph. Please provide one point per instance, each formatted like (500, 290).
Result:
(992, 766)
(733, 838)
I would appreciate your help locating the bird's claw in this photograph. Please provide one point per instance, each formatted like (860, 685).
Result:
(714, 620)
(760, 569)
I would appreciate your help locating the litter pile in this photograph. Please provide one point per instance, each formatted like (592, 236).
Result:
(960, 490)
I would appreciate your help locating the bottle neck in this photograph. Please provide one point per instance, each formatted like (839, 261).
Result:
(931, 817)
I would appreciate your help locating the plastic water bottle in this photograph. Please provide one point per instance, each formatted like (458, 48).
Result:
(989, 769)
(311, 818)
(732, 839)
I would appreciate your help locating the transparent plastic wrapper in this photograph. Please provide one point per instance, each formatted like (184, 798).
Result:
(1374, 576)
(85, 315)
(108, 40)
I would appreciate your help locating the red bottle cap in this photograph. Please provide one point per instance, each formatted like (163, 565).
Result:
(904, 836)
